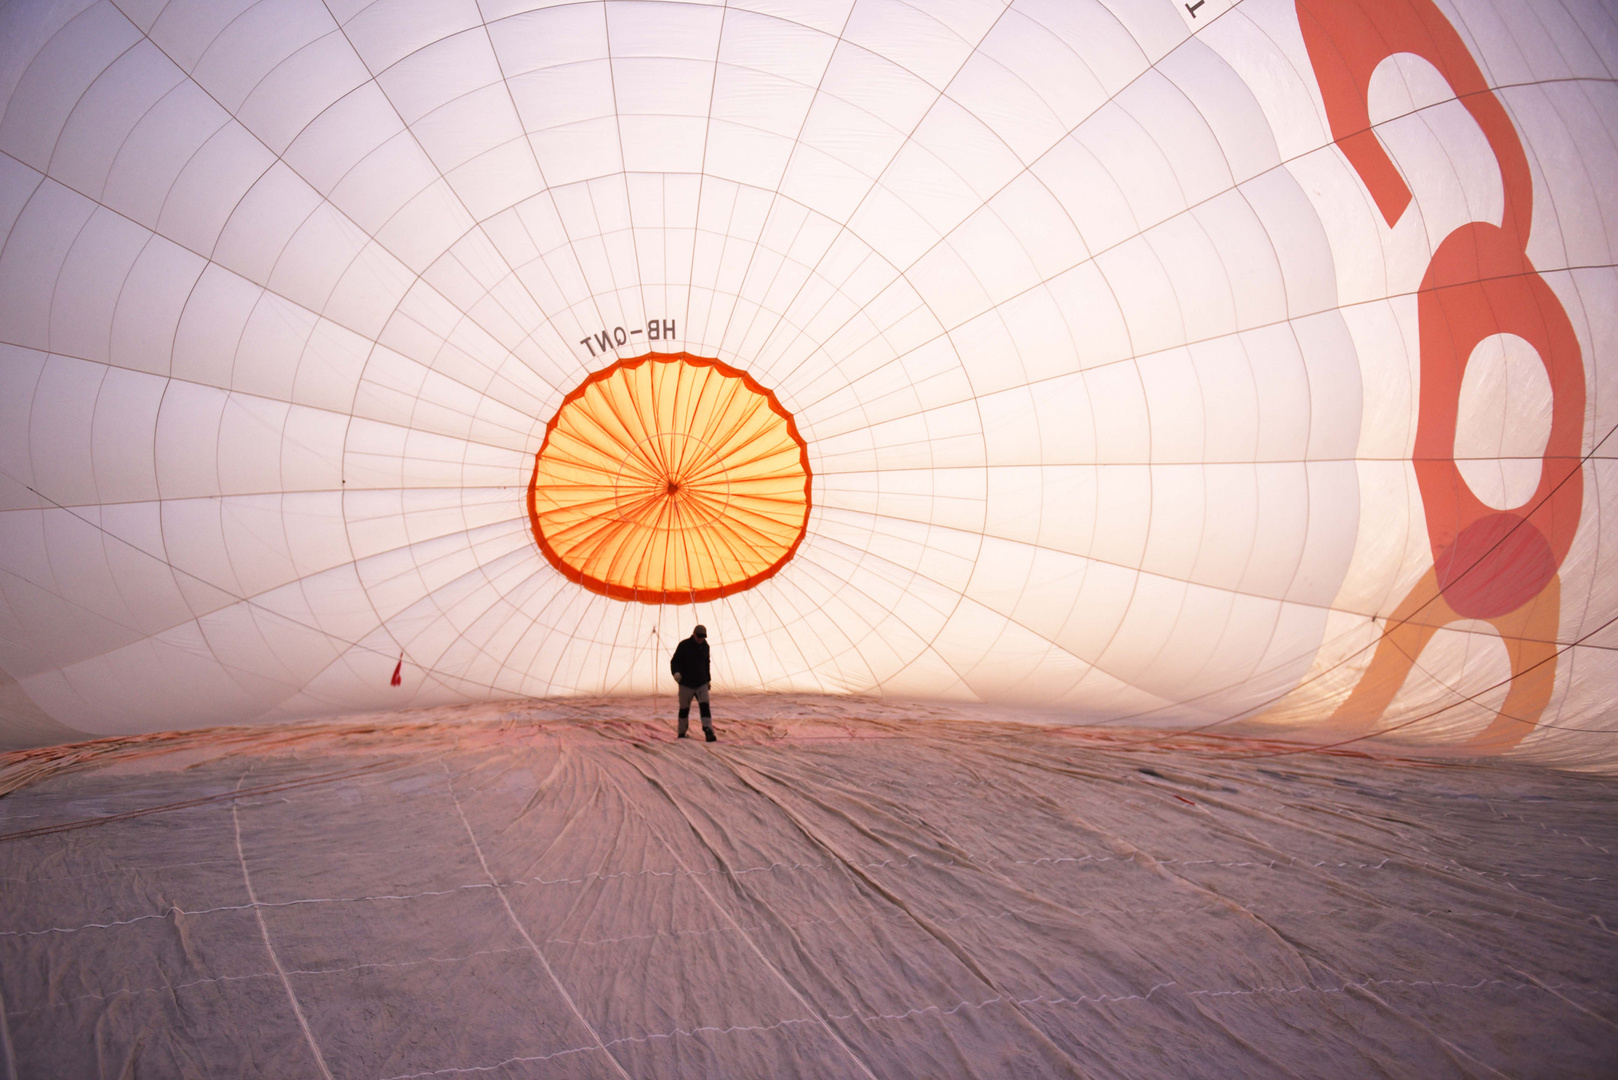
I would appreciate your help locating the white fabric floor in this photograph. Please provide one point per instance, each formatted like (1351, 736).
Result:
(835, 889)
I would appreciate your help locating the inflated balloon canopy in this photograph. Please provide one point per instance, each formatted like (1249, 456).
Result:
(1169, 363)
(1228, 381)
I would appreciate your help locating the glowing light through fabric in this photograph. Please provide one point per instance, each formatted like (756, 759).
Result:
(670, 479)
(1151, 362)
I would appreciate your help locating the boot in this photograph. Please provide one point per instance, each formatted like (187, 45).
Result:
(708, 734)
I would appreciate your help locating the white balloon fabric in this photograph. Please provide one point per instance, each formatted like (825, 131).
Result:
(1164, 363)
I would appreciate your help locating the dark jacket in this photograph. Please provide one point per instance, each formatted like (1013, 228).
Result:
(690, 662)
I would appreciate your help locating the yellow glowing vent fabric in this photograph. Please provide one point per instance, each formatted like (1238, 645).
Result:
(670, 479)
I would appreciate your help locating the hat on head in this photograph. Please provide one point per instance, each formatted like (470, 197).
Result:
(700, 631)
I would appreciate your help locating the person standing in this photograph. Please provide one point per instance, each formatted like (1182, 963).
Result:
(690, 667)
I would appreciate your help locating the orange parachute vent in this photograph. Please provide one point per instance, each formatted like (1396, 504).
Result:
(670, 478)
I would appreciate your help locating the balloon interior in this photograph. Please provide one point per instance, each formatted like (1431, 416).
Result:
(1139, 464)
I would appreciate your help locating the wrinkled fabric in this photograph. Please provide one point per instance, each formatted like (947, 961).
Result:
(835, 889)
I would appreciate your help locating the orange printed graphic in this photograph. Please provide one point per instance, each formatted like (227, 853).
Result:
(1487, 564)
(1528, 633)
(670, 479)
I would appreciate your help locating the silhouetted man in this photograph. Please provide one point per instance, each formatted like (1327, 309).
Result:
(690, 667)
